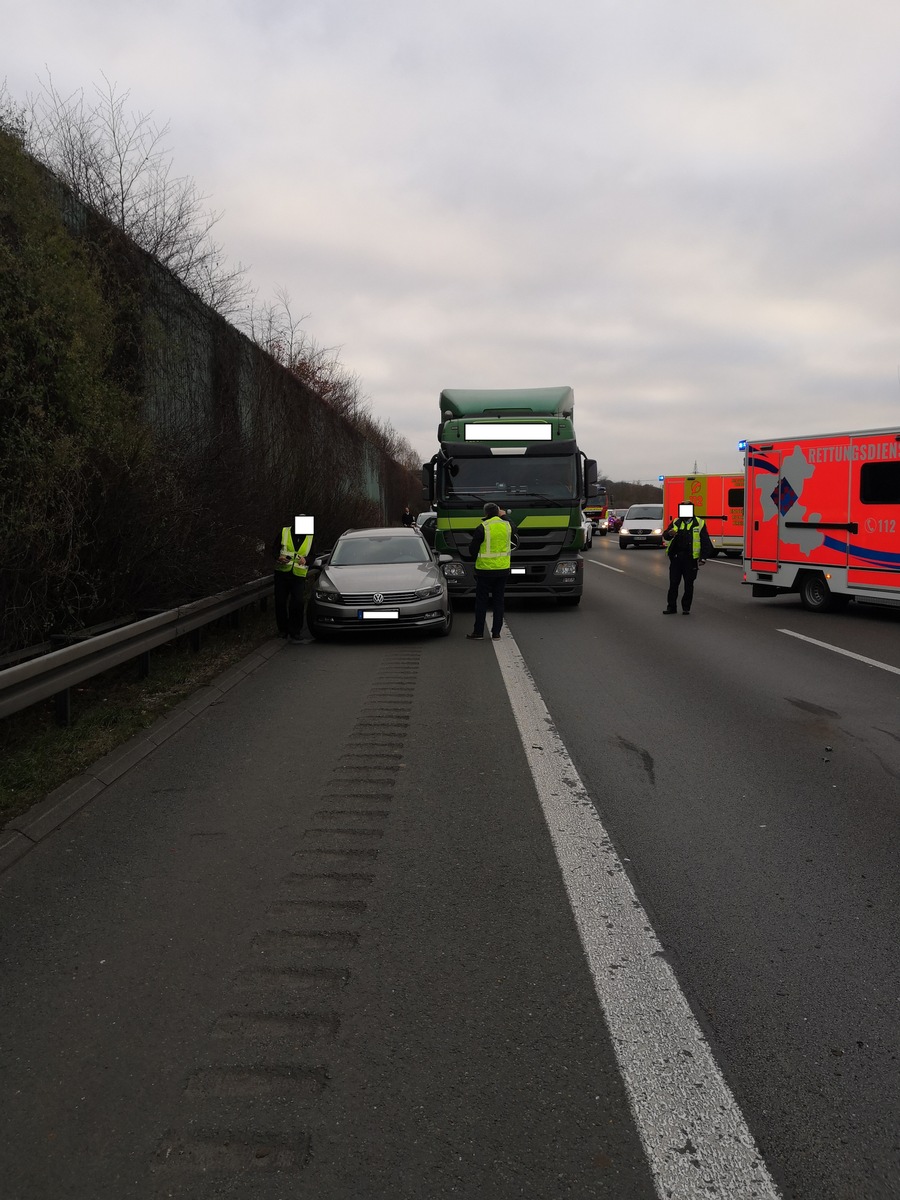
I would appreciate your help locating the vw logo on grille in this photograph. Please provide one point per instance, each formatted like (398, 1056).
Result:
(378, 598)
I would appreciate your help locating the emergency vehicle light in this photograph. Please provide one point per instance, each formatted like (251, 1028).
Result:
(742, 446)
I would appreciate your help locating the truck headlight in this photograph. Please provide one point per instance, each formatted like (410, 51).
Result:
(565, 568)
(454, 570)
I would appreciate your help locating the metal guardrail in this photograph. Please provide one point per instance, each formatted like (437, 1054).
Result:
(54, 673)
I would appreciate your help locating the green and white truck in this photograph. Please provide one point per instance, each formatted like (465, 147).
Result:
(515, 447)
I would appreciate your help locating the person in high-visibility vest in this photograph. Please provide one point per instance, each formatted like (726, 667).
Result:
(492, 544)
(689, 547)
(291, 553)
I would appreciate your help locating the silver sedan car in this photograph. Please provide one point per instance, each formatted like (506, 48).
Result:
(379, 579)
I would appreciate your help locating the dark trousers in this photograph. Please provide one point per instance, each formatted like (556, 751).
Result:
(489, 584)
(682, 567)
(289, 592)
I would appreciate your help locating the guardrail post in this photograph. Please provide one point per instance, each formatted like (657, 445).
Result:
(144, 665)
(196, 639)
(63, 702)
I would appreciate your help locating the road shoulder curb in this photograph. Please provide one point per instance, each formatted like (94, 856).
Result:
(25, 831)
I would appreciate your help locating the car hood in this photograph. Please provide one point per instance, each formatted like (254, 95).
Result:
(384, 577)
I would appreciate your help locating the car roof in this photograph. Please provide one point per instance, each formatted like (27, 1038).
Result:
(390, 530)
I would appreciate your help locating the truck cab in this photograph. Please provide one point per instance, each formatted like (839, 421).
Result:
(516, 449)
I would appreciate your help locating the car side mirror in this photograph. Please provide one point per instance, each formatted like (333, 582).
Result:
(322, 560)
(445, 558)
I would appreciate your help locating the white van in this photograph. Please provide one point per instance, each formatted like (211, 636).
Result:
(643, 526)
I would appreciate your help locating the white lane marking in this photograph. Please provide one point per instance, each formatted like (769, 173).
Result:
(725, 562)
(693, 1133)
(870, 662)
(600, 564)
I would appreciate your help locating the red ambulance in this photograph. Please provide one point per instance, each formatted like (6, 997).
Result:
(823, 517)
(718, 499)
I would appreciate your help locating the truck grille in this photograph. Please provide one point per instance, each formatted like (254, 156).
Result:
(537, 543)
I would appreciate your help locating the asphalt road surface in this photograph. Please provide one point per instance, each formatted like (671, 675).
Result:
(345, 934)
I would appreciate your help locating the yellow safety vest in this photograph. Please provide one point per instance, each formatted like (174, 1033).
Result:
(682, 525)
(494, 551)
(302, 551)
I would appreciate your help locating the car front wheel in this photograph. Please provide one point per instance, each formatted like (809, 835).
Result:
(444, 630)
(623, 543)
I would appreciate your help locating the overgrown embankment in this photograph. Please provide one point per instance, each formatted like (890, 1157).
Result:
(147, 447)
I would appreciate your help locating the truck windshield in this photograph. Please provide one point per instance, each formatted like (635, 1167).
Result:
(481, 479)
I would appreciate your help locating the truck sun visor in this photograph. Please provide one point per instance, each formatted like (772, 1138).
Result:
(504, 431)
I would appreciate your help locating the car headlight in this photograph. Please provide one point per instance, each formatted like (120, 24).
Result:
(427, 593)
(327, 595)
(657, 532)
(454, 570)
(567, 567)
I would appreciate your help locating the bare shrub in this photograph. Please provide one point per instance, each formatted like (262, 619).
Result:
(118, 163)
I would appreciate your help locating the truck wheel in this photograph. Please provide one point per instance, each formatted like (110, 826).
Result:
(569, 601)
(815, 594)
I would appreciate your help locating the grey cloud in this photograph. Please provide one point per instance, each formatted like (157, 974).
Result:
(687, 212)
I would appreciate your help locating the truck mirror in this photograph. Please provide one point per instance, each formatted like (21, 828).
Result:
(428, 480)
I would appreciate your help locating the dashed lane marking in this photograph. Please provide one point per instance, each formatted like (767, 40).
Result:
(693, 1133)
(597, 563)
(870, 662)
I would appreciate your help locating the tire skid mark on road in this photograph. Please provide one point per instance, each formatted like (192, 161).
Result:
(268, 1051)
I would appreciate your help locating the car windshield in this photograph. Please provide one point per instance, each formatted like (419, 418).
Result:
(379, 548)
(645, 512)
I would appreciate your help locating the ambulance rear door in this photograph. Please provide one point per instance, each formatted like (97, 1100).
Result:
(733, 495)
(673, 494)
(761, 507)
(874, 532)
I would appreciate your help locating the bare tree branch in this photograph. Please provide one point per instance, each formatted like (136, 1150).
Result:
(118, 162)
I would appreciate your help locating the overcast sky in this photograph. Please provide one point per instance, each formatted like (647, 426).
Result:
(687, 210)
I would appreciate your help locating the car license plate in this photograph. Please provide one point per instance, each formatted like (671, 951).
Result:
(640, 537)
(381, 615)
